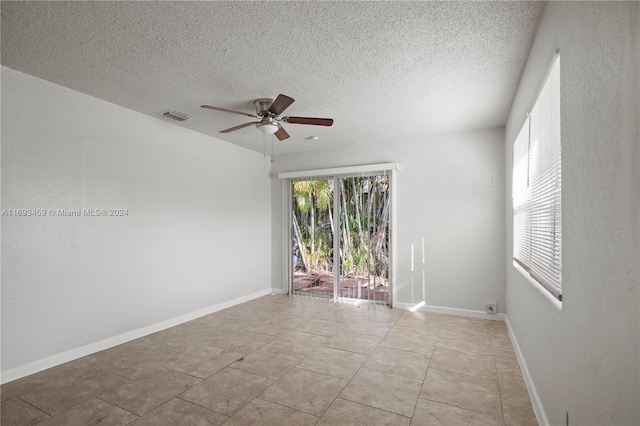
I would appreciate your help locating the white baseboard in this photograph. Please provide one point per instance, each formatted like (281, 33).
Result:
(72, 354)
(278, 291)
(538, 408)
(452, 311)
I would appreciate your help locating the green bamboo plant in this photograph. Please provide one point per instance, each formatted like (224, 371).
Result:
(364, 207)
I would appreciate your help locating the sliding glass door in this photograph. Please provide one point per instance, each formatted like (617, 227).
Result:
(364, 238)
(312, 236)
(358, 208)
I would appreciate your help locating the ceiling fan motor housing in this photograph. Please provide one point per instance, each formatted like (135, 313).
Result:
(262, 106)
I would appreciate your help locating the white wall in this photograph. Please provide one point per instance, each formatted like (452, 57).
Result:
(585, 358)
(442, 198)
(198, 220)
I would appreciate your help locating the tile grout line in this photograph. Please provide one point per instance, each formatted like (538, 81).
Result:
(424, 381)
(122, 408)
(282, 405)
(461, 408)
(202, 406)
(495, 363)
(468, 375)
(28, 403)
(190, 375)
(354, 375)
(371, 406)
(80, 403)
(362, 366)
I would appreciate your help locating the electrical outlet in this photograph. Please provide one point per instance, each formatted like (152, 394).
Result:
(491, 308)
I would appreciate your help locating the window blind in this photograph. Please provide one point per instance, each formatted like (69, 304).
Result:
(521, 199)
(537, 183)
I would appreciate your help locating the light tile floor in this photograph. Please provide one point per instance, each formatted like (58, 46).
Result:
(279, 360)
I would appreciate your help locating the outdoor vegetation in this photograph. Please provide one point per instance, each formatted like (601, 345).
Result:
(363, 233)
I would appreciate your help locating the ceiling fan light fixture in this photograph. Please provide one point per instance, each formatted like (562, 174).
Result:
(268, 128)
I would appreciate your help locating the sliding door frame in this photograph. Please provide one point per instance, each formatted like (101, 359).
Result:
(287, 207)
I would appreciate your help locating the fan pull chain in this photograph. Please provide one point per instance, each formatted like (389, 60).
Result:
(272, 148)
(264, 145)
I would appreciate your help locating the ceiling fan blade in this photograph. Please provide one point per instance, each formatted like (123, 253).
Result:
(281, 134)
(281, 103)
(309, 120)
(238, 127)
(228, 110)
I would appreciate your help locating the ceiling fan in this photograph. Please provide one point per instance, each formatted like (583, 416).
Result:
(267, 112)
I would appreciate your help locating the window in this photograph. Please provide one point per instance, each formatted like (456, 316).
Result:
(537, 196)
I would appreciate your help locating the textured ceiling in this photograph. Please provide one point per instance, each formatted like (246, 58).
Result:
(385, 72)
